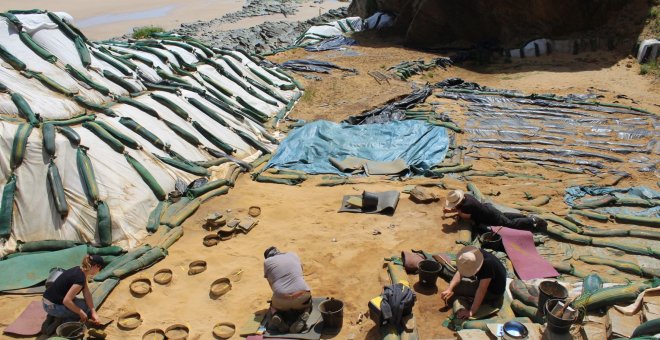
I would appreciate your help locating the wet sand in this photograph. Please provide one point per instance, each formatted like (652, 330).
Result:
(107, 19)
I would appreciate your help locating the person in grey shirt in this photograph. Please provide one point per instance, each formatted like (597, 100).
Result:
(292, 298)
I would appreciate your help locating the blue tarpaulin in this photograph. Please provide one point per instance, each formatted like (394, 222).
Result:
(418, 144)
(576, 192)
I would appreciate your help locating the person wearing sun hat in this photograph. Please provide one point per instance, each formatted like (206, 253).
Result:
(480, 278)
(486, 215)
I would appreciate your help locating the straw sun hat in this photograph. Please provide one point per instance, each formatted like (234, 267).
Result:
(469, 260)
(454, 198)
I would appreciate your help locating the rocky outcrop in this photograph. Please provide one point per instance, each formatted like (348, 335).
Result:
(507, 23)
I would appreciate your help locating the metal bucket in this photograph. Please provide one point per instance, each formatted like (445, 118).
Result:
(550, 290)
(555, 324)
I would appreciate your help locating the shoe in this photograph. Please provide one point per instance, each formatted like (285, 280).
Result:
(300, 324)
(539, 223)
(50, 325)
(276, 323)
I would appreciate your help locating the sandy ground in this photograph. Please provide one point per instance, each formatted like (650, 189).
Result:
(107, 19)
(343, 253)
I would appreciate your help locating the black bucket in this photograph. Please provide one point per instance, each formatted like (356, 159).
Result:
(428, 272)
(492, 241)
(332, 312)
(550, 290)
(71, 330)
(555, 324)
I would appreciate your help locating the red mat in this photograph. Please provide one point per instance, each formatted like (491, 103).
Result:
(519, 246)
(29, 322)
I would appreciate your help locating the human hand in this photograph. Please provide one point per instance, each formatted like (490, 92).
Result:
(464, 314)
(446, 295)
(83, 316)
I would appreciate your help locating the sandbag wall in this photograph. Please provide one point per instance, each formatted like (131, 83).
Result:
(95, 135)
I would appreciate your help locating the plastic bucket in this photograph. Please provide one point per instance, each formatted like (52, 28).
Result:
(555, 324)
(550, 290)
(71, 330)
(492, 241)
(332, 312)
(428, 272)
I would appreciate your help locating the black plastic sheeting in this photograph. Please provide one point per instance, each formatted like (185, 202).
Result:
(391, 111)
(310, 65)
(334, 43)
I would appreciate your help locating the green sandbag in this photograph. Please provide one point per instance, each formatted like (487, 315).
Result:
(257, 95)
(154, 217)
(50, 83)
(19, 145)
(472, 188)
(592, 215)
(179, 212)
(287, 181)
(208, 111)
(483, 324)
(264, 158)
(57, 189)
(94, 107)
(78, 41)
(630, 248)
(72, 121)
(221, 102)
(170, 105)
(185, 65)
(606, 297)
(216, 192)
(11, 59)
(232, 66)
(185, 46)
(110, 59)
(101, 291)
(144, 133)
(215, 162)
(522, 310)
(595, 202)
(234, 175)
(121, 82)
(212, 185)
(105, 136)
(637, 220)
(624, 266)
(591, 283)
(110, 250)
(521, 292)
(124, 139)
(138, 105)
(158, 87)
(635, 202)
(252, 141)
(567, 235)
(648, 234)
(201, 46)
(87, 80)
(46, 245)
(538, 201)
(441, 171)
(48, 136)
(184, 134)
(106, 272)
(262, 76)
(170, 237)
(260, 116)
(86, 172)
(36, 48)
(213, 139)
(24, 109)
(158, 53)
(146, 260)
(185, 166)
(70, 134)
(651, 327)
(568, 225)
(171, 77)
(589, 231)
(147, 177)
(104, 224)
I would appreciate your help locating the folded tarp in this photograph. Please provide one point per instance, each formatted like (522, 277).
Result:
(371, 202)
(309, 148)
(29, 270)
(352, 164)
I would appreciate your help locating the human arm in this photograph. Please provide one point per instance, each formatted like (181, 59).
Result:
(68, 302)
(478, 299)
(449, 292)
(90, 303)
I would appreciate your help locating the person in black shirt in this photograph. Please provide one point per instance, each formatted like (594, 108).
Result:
(60, 301)
(480, 278)
(486, 215)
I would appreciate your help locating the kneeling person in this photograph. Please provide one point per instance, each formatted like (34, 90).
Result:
(291, 295)
(480, 278)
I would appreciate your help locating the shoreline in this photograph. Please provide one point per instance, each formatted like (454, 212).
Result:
(102, 21)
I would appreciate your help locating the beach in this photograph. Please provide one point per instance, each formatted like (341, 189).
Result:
(104, 20)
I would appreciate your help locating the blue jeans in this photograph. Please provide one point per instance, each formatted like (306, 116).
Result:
(64, 313)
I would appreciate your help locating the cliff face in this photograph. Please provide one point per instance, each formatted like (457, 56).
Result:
(459, 23)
